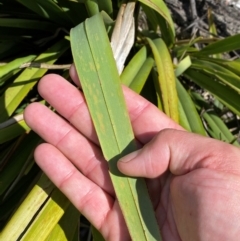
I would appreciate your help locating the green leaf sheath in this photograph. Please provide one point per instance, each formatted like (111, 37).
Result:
(100, 81)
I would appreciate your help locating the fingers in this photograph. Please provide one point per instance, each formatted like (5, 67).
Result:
(93, 202)
(69, 102)
(180, 152)
(86, 156)
(146, 119)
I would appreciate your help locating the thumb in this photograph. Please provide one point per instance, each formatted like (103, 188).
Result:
(180, 152)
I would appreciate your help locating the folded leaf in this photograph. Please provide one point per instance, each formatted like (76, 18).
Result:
(166, 77)
(100, 81)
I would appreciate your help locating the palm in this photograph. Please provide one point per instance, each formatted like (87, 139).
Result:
(163, 207)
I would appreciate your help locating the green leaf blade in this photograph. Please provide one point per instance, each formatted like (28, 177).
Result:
(192, 116)
(166, 77)
(142, 75)
(225, 94)
(101, 85)
(225, 45)
(160, 7)
(28, 78)
(133, 67)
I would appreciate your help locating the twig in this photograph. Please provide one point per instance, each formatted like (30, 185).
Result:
(45, 40)
(194, 9)
(194, 17)
(44, 66)
(196, 21)
(200, 40)
(41, 65)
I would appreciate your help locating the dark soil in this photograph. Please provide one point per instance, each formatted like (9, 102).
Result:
(193, 14)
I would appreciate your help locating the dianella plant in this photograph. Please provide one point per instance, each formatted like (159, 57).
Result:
(194, 81)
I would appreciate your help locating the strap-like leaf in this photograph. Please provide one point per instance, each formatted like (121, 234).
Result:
(182, 66)
(228, 44)
(133, 67)
(29, 207)
(183, 121)
(48, 9)
(233, 66)
(17, 91)
(50, 213)
(192, 116)
(161, 8)
(225, 94)
(215, 125)
(142, 75)
(16, 63)
(100, 81)
(64, 230)
(166, 77)
(219, 72)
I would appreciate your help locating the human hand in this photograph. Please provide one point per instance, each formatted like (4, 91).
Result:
(201, 188)
(73, 161)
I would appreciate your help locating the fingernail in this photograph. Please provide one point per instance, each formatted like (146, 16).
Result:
(129, 157)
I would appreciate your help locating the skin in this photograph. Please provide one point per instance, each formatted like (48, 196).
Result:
(193, 181)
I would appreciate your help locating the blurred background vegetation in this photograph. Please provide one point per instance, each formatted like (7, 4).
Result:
(204, 70)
